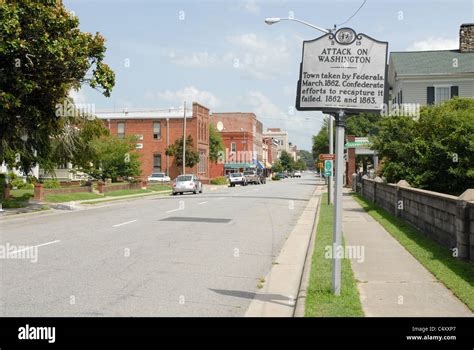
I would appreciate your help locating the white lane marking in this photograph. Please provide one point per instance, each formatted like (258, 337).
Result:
(36, 246)
(170, 211)
(202, 203)
(124, 223)
(220, 198)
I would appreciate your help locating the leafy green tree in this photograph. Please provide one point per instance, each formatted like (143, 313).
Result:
(307, 158)
(277, 167)
(300, 164)
(321, 141)
(43, 55)
(176, 150)
(435, 152)
(113, 158)
(216, 144)
(363, 124)
(286, 161)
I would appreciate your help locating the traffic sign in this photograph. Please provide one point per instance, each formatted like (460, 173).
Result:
(328, 167)
(327, 157)
(320, 165)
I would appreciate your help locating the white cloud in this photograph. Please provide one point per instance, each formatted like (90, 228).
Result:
(263, 106)
(251, 7)
(257, 57)
(78, 96)
(433, 43)
(189, 94)
(194, 60)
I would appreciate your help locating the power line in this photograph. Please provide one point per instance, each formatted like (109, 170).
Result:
(355, 13)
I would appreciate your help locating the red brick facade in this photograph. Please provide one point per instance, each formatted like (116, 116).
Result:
(153, 145)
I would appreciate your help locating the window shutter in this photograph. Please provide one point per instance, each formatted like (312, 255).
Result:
(430, 93)
(454, 91)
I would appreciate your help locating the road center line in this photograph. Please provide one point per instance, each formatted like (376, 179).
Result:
(170, 211)
(202, 203)
(125, 223)
(35, 246)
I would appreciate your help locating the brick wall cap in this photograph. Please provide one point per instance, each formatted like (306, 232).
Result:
(403, 183)
(39, 184)
(366, 177)
(378, 179)
(467, 195)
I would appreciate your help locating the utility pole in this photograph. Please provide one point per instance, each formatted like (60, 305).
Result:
(337, 227)
(184, 139)
(331, 151)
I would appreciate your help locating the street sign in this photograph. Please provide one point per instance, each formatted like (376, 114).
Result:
(343, 71)
(320, 165)
(327, 157)
(328, 167)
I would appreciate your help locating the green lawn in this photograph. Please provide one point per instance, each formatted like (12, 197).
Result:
(159, 187)
(19, 199)
(126, 192)
(320, 301)
(68, 197)
(456, 274)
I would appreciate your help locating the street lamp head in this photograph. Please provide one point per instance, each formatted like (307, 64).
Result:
(272, 20)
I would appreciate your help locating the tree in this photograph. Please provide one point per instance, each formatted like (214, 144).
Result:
(176, 150)
(113, 158)
(321, 141)
(286, 161)
(307, 158)
(43, 55)
(277, 167)
(300, 164)
(363, 124)
(435, 152)
(216, 146)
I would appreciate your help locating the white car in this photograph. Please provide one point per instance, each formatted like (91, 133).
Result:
(158, 177)
(237, 179)
(297, 174)
(187, 183)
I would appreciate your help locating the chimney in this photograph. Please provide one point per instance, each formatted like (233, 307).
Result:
(466, 37)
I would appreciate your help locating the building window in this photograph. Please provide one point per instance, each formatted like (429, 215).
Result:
(156, 130)
(121, 130)
(233, 147)
(442, 93)
(202, 162)
(157, 163)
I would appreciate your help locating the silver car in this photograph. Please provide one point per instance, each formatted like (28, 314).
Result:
(187, 183)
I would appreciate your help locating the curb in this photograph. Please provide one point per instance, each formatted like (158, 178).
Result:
(278, 296)
(302, 294)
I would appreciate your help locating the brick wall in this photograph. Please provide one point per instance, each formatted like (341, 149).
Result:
(448, 220)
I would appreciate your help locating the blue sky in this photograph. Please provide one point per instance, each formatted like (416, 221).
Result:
(223, 55)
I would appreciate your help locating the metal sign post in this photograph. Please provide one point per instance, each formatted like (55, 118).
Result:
(337, 227)
(331, 151)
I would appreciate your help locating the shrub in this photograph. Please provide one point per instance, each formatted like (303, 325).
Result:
(18, 183)
(51, 184)
(220, 180)
(275, 178)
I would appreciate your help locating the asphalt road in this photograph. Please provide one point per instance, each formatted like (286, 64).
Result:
(189, 255)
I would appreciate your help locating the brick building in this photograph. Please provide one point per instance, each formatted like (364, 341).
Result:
(157, 129)
(242, 137)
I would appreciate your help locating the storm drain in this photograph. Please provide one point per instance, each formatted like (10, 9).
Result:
(191, 219)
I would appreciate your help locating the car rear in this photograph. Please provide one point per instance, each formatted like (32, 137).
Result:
(237, 179)
(184, 183)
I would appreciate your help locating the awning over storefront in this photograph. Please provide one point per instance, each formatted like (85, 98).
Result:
(239, 165)
(268, 165)
(259, 165)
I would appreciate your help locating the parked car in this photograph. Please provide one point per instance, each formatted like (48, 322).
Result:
(158, 177)
(281, 175)
(187, 183)
(297, 173)
(252, 177)
(237, 179)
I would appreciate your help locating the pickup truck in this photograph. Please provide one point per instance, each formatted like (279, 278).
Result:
(252, 177)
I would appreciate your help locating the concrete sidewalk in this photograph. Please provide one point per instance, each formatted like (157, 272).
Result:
(391, 281)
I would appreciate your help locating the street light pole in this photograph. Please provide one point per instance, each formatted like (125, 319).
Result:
(273, 20)
(184, 139)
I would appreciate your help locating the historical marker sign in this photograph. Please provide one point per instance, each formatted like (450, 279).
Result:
(328, 167)
(343, 71)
